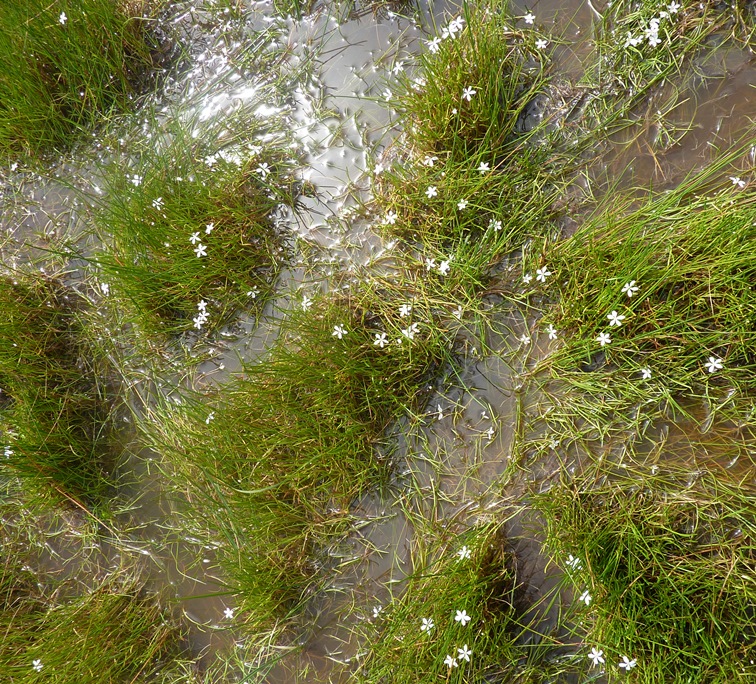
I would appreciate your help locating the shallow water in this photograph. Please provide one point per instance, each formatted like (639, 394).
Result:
(452, 466)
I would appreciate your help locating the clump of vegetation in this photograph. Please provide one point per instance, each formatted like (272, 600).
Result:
(474, 176)
(666, 572)
(190, 232)
(273, 462)
(120, 634)
(460, 618)
(53, 417)
(66, 66)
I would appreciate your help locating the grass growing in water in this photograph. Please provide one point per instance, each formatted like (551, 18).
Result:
(459, 619)
(119, 635)
(470, 171)
(190, 232)
(54, 419)
(274, 467)
(669, 571)
(655, 305)
(65, 66)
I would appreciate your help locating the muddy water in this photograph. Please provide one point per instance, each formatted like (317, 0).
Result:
(453, 464)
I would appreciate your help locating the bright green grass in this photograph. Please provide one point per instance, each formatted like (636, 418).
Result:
(670, 570)
(191, 223)
(60, 78)
(477, 151)
(114, 634)
(693, 310)
(476, 575)
(286, 448)
(54, 418)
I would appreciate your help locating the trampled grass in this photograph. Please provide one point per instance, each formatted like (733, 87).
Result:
(66, 66)
(190, 233)
(54, 417)
(668, 570)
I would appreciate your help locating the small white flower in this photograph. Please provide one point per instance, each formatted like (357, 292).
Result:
(410, 332)
(597, 656)
(484, 167)
(525, 339)
(529, 18)
(628, 664)
(574, 563)
(467, 93)
(263, 170)
(427, 625)
(433, 45)
(630, 288)
(339, 331)
(672, 8)
(377, 611)
(458, 312)
(381, 340)
(62, 19)
(432, 191)
(736, 180)
(527, 278)
(450, 662)
(462, 617)
(37, 664)
(157, 203)
(714, 364)
(443, 267)
(210, 417)
(541, 44)
(604, 339)
(653, 39)
(462, 204)
(551, 330)
(209, 228)
(398, 67)
(306, 303)
(195, 238)
(615, 319)
(390, 218)
(586, 597)
(429, 161)
(646, 373)
(456, 25)
(229, 613)
(379, 169)
(632, 40)
(464, 653)
(542, 274)
(405, 310)
(201, 250)
(495, 224)
(464, 553)
(430, 264)
(104, 288)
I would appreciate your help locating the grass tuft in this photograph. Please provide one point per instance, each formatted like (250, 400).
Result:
(54, 419)
(66, 66)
